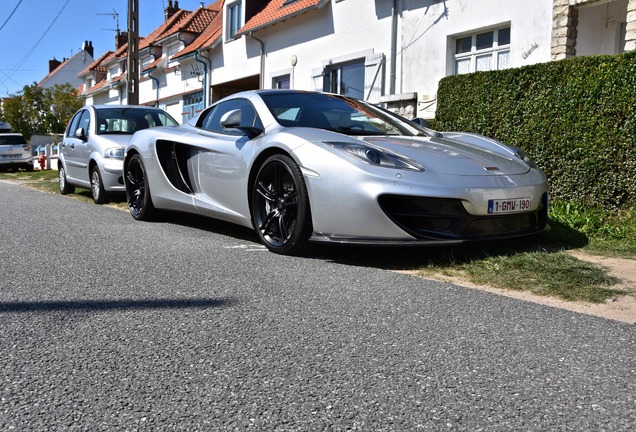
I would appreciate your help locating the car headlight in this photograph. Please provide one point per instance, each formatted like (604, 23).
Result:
(114, 153)
(376, 156)
(524, 157)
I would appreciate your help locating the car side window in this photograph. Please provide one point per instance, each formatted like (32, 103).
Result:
(73, 125)
(212, 121)
(85, 121)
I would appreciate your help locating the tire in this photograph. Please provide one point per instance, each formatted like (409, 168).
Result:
(65, 187)
(97, 187)
(137, 192)
(280, 206)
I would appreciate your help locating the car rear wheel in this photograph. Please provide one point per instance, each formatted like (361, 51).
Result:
(97, 187)
(65, 187)
(280, 206)
(137, 192)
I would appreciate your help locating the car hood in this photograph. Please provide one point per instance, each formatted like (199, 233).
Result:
(111, 140)
(459, 154)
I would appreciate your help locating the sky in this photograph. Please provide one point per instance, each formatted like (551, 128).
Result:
(32, 32)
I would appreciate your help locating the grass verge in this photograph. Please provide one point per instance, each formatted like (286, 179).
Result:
(541, 267)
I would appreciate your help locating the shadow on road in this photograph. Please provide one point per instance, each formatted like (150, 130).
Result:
(105, 305)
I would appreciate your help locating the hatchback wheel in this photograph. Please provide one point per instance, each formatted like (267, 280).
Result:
(97, 187)
(65, 187)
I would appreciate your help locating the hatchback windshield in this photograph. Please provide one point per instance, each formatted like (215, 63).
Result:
(336, 113)
(130, 120)
(12, 139)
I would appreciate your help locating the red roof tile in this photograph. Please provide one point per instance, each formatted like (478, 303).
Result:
(209, 35)
(96, 65)
(277, 10)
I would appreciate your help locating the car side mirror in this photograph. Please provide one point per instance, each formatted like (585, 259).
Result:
(232, 120)
(81, 134)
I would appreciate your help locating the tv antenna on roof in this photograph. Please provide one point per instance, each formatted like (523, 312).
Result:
(115, 16)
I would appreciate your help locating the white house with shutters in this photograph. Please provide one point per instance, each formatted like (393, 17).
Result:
(387, 51)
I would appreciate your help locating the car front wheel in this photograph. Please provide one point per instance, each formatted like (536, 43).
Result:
(137, 192)
(65, 187)
(97, 187)
(280, 206)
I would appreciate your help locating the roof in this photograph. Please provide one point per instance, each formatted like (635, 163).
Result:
(62, 66)
(279, 10)
(97, 65)
(209, 35)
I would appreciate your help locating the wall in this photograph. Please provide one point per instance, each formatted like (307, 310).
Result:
(429, 28)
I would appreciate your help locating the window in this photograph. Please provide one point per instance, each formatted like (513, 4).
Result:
(346, 79)
(281, 82)
(192, 106)
(234, 18)
(73, 125)
(484, 51)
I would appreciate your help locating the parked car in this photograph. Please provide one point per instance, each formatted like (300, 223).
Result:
(92, 149)
(305, 166)
(14, 151)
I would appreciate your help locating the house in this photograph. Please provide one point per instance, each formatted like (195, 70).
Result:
(65, 71)
(392, 52)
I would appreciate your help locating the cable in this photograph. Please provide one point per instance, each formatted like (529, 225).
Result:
(7, 20)
(28, 54)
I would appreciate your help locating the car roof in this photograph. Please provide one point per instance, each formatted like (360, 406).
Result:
(106, 106)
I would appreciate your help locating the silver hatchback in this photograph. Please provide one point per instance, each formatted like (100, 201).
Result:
(92, 151)
(15, 152)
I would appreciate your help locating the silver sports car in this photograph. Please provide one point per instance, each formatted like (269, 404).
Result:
(305, 166)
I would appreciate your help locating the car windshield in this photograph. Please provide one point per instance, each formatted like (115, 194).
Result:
(123, 120)
(12, 139)
(336, 113)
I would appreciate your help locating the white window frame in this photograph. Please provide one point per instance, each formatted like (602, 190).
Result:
(233, 17)
(472, 57)
(373, 73)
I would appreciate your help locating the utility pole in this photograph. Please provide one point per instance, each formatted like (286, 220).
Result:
(132, 80)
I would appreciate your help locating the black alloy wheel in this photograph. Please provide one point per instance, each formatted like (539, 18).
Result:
(280, 206)
(137, 192)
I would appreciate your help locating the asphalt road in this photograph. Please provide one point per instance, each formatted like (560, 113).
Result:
(111, 324)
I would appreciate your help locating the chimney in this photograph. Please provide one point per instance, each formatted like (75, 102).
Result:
(171, 10)
(88, 47)
(53, 64)
(121, 39)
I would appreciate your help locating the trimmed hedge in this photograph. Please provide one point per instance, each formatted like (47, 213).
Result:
(576, 118)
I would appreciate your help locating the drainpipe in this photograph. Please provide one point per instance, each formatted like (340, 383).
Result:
(205, 77)
(394, 31)
(262, 77)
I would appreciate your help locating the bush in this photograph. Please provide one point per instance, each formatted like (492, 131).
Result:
(575, 117)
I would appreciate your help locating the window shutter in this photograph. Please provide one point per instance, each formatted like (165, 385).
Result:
(374, 77)
(318, 78)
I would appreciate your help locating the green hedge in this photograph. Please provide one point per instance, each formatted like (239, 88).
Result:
(576, 118)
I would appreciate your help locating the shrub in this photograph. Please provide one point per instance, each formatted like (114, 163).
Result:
(575, 117)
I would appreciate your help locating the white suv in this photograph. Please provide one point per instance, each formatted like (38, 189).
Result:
(14, 150)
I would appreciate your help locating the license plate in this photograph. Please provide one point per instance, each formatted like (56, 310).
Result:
(513, 205)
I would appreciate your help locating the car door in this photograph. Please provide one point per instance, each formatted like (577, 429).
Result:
(74, 148)
(222, 170)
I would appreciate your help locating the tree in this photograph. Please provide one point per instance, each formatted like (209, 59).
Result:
(39, 110)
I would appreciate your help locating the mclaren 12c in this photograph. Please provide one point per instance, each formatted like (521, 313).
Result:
(302, 167)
